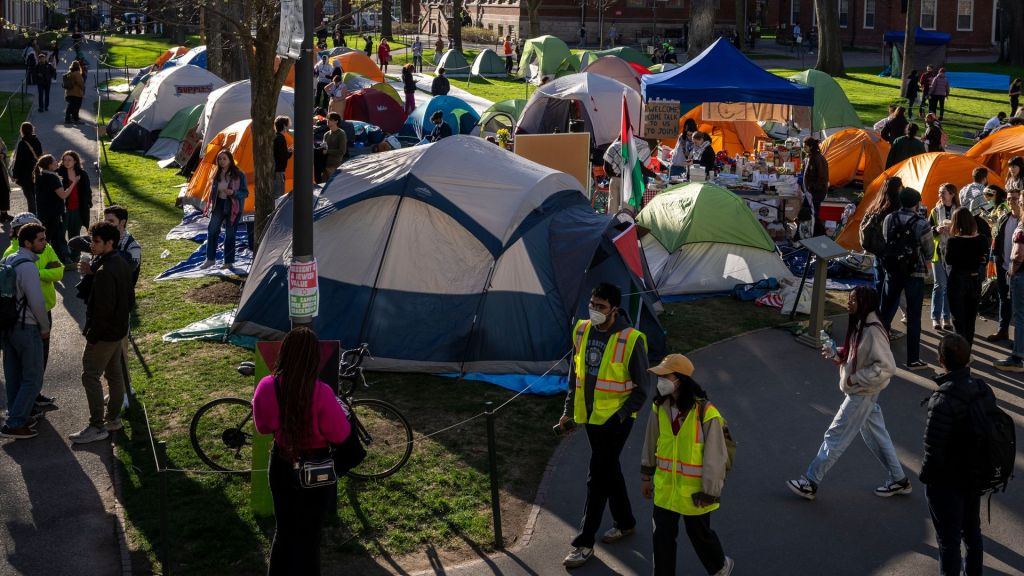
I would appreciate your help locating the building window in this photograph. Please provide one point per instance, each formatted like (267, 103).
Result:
(794, 12)
(844, 13)
(869, 14)
(928, 14)
(500, 28)
(965, 15)
(511, 30)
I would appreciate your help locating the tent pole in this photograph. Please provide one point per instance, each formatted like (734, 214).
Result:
(476, 315)
(380, 268)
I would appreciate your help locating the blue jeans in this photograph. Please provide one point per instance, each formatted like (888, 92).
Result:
(218, 219)
(913, 288)
(1017, 301)
(23, 371)
(857, 414)
(940, 301)
(44, 96)
(956, 514)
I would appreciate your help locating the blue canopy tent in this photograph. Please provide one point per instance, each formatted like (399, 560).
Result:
(929, 48)
(721, 73)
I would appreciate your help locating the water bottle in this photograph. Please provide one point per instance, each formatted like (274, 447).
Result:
(828, 345)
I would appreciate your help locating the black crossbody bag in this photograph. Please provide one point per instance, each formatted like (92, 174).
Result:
(313, 472)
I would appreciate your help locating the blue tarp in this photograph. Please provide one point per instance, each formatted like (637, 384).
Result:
(189, 268)
(979, 81)
(723, 74)
(922, 37)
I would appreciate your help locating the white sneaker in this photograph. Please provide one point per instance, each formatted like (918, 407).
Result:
(578, 557)
(113, 425)
(89, 434)
(206, 264)
(613, 535)
(727, 568)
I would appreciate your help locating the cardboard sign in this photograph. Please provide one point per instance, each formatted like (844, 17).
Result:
(569, 153)
(660, 119)
(291, 39)
(303, 292)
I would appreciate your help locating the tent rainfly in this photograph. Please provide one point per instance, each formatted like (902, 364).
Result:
(360, 64)
(375, 107)
(996, 149)
(454, 64)
(732, 136)
(489, 65)
(232, 103)
(627, 53)
(854, 154)
(195, 57)
(503, 114)
(546, 57)
(166, 146)
(353, 82)
(460, 116)
(617, 69)
(832, 109)
(600, 100)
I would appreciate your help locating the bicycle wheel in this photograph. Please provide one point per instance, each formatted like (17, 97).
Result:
(221, 433)
(386, 435)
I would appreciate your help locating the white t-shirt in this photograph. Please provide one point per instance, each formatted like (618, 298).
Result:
(323, 72)
(992, 124)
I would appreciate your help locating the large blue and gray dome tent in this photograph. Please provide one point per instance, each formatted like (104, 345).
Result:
(454, 258)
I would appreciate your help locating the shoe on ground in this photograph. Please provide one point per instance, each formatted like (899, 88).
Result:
(89, 434)
(936, 325)
(113, 425)
(891, 488)
(226, 266)
(947, 326)
(727, 568)
(803, 488)
(206, 264)
(20, 433)
(45, 401)
(915, 365)
(1011, 364)
(896, 335)
(578, 557)
(613, 535)
(998, 336)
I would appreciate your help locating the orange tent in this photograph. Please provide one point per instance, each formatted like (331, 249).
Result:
(996, 150)
(733, 137)
(167, 55)
(238, 139)
(854, 154)
(360, 64)
(925, 173)
(289, 80)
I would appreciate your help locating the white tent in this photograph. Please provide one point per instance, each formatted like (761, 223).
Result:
(232, 103)
(615, 68)
(600, 100)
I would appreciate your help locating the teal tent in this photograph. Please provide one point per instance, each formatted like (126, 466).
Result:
(488, 63)
(503, 114)
(454, 64)
(166, 146)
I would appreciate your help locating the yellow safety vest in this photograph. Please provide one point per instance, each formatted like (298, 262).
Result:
(613, 382)
(680, 461)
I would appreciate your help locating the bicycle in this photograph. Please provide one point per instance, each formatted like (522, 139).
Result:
(222, 430)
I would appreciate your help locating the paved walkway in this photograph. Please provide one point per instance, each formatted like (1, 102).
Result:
(56, 500)
(779, 398)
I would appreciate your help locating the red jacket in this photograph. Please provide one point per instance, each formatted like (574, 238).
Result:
(383, 52)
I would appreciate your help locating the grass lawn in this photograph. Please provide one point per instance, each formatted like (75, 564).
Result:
(15, 113)
(139, 50)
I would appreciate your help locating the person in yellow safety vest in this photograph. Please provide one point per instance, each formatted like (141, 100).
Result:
(683, 466)
(607, 385)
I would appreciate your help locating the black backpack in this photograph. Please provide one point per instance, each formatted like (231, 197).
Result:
(901, 252)
(994, 445)
(871, 237)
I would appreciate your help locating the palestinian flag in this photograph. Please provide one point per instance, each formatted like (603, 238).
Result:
(632, 178)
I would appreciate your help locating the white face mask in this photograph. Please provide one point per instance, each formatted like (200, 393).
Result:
(597, 318)
(665, 387)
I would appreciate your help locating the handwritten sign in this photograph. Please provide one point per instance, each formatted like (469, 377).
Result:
(661, 119)
(292, 37)
(303, 291)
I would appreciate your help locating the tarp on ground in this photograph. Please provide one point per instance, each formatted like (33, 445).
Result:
(360, 64)
(190, 267)
(597, 100)
(545, 58)
(489, 64)
(703, 238)
(996, 149)
(375, 107)
(233, 102)
(854, 154)
(733, 137)
(616, 69)
(627, 53)
(978, 81)
(454, 257)
(212, 329)
(166, 146)
(454, 64)
(503, 114)
(925, 173)
(459, 115)
(832, 109)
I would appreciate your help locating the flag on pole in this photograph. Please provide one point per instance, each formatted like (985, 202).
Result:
(632, 177)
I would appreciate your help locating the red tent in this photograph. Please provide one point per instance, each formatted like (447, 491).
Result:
(375, 107)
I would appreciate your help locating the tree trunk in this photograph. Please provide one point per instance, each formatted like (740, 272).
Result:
(830, 49)
(1013, 30)
(908, 43)
(702, 26)
(214, 41)
(533, 10)
(456, 28)
(385, 19)
(741, 24)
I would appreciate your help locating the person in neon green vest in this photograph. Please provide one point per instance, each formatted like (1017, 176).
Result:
(683, 467)
(607, 385)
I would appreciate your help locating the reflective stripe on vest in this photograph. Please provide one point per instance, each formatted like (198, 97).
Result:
(613, 384)
(680, 461)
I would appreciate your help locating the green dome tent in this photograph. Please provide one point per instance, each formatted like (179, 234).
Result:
(488, 63)
(627, 53)
(166, 146)
(832, 109)
(503, 114)
(704, 238)
(546, 57)
(454, 64)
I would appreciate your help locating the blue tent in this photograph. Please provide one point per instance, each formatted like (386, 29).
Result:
(458, 258)
(921, 37)
(459, 115)
(195, 57)
(721, 73)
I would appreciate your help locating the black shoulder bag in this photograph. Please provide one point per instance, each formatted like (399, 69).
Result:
(312, 472)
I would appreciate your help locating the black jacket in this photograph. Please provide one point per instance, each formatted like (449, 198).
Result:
(440, 86)
(111, 299)
(26, 154)
(281, 153)
(947, 434)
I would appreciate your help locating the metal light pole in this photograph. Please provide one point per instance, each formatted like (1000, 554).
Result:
(302, 193)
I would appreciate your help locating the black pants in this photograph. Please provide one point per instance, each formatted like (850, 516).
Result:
(321, 98)
(28, 188)
(817, 197)
(508, 65)
(299, 514)
(1014, 104)
(1005, 304)
(605, 485)
(698, 529)
(956, 514)
(937, 103)
(963, 290)
(44, 96)
(71, 110)
(56, 234)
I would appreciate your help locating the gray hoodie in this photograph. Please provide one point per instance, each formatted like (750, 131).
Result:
(29, 289)
(870, 365)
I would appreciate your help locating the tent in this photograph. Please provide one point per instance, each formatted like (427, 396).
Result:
(454, 64)
(546, 57)
(289, 79)
(353, 82)
(167, 92)
(627, 53)
(196, 57)
(233, 102)
(459, 115)
(503, 114)
(375, 107)
(929, 48)
(925, 173)
(598, 100)
(704, 238)
(854, 154)
(238, 139)
(489, 64)
(167, 145)
(995, 150)
(360, 64)
(167, 55)
(721, 73)
(832, 109)
(453, 258)
(733, 137)
(617, 69)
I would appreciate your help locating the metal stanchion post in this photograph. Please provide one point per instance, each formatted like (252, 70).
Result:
(492, 464)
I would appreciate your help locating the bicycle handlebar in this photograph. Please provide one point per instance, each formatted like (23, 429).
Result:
(358, 354)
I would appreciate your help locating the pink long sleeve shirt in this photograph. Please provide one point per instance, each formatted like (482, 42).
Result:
(327, 424)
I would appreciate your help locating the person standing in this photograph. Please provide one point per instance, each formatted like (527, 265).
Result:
(941, 220)
(368, 45)
(607, 385)
(417, 55)
(938, 93)
(506, 48)
(872, 237)
(1015, 173)
(108, 307)
(866, 366)
(305, 418)
(43, 75)
(613, 35)
(50, 196)
(337, 93)
(926, 85)
(933, 134)
(976, 189)
(5, 185)
(954, 504)
(816, 180)
(74, 91)
(906, 146)
(683, 150)
(225, 204)
(438, 49)
(28, 56)
(323, 71)
(966, 250)
(913, 89)
(1015, 362)
(909, 246)
(896, 126)
(1015, 90)
(409, 87)
(282, 154)
(78, 203)
(582, 36)
(440, 85)
(335, 144)
(683, 466)
(339, 36)
(383, 54)
(1002, 246)
(26, 155)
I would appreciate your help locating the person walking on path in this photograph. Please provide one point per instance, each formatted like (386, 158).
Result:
(74, 91)
(913, 89)
(1015, 90)
(225, 204)
(50, 196)
(1015, 272)
(909, 245)
(607, 385)
(815, 181)
(941, 219)
(1002, 246)
(954, 504)
(938, 93)
(23, 341)
(440, 85)
(966, 250)
(409, 87)
(906, 146)
(866, 366)
(78, 203)
(306, 419)
(683, 467)
(383, 54)
(417, 55)
(43, 75)
(506, 48)
(26, 155)
(926, 87)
